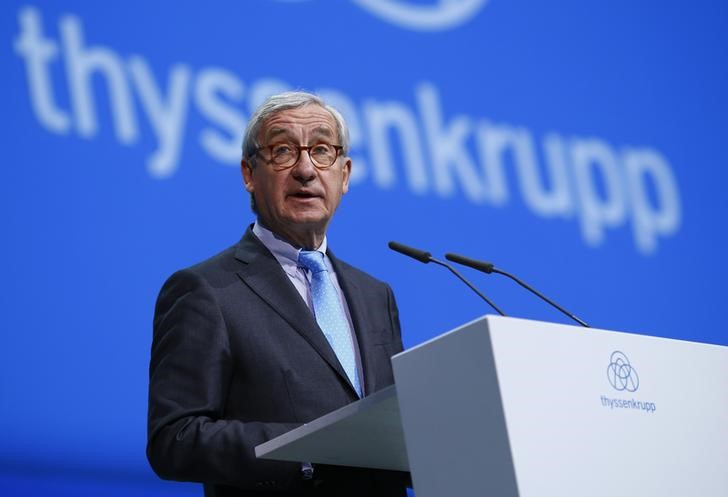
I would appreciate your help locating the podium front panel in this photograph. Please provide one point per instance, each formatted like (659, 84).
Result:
(504, 406)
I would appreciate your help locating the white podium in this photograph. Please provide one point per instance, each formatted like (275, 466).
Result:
(511, 407)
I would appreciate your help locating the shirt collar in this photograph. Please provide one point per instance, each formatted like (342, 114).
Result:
(282, 250)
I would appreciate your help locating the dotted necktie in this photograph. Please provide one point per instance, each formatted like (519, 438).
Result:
(329, 314)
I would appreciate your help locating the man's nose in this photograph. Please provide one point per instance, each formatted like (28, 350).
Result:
(303, 169)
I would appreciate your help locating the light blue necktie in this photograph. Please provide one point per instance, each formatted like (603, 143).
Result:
(329, 314)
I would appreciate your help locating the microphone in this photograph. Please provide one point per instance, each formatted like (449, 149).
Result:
(420, 255)
(489, 268)
(426, 257)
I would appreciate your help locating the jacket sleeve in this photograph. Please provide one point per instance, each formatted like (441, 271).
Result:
(394, 320)
(189, 438)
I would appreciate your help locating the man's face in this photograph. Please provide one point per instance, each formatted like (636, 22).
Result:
(302, 199)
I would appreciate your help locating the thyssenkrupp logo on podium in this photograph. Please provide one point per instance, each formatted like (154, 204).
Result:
(622, 376)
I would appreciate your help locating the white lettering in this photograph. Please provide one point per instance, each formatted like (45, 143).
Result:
(494, 141)
(582, 177)
(381, 119)
(81, 63)
(212, 82)
(168, 118)
(588, 156)
(356, 135)
(649, 221)
(38, 52)
(558, 202)
(262, 89)
(447, 147)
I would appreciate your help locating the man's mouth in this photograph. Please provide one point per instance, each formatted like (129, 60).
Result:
(304, 195)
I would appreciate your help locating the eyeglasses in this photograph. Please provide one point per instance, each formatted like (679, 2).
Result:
(284, 155)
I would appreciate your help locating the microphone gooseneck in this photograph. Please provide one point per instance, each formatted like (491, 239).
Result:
(489, 268)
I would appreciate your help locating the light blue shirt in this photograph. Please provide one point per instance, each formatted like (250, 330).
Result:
(287, 256)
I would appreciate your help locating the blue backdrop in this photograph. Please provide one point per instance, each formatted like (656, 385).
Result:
(581, 145)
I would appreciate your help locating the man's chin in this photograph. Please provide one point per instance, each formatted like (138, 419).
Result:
(302, 202)
(307, 211)
(310, 220)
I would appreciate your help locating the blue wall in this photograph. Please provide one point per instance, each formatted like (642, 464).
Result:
(581, 145)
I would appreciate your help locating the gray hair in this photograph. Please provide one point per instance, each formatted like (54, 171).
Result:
(284, 101)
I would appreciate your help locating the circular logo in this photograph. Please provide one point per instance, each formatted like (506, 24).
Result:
(621, 374)
(442, 14)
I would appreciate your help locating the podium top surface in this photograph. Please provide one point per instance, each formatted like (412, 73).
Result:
(367, 433)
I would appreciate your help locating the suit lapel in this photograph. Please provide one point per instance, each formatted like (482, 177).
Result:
(262, 273)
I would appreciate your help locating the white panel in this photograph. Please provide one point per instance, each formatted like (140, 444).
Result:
(565, 438)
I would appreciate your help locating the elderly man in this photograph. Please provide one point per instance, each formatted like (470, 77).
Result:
(275, 331)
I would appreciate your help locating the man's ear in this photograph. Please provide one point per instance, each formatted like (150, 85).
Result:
(247, 169)
(346, 171)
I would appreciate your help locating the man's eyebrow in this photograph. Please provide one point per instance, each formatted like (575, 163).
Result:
(323, 130)
(319, 131)
(273, 132)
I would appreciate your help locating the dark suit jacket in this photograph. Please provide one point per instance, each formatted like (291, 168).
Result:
(237, 359)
